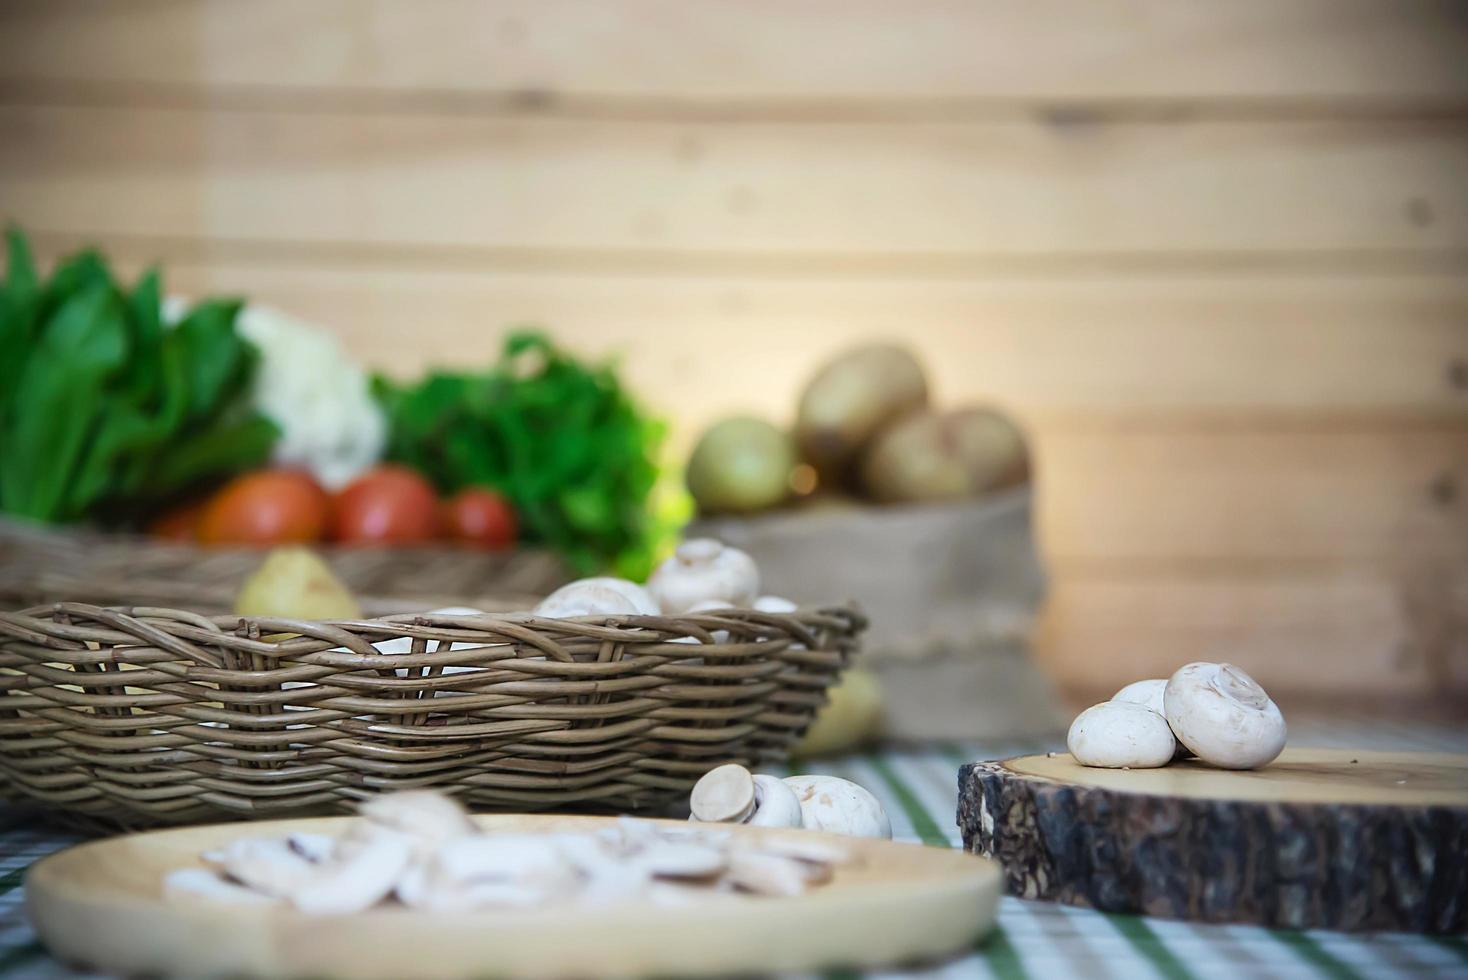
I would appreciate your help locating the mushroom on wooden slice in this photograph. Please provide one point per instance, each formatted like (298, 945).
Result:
(1121, 735)
(1224, 716)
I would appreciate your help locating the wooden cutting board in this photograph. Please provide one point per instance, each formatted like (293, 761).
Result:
(100, 905)
(1319, 838)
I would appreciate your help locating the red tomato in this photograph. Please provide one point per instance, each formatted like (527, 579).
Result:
(387, 505)
(179, 524)
(268, 507)
(480, 519)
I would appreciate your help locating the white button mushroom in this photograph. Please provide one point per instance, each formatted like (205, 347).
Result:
(703, 569)
(731, 794)
(724, 794)
(774, 604)
(839, 806)
(1224, 716)
(1148, 692)
(268, 865)
(775, 804)
(602, 596)
(1120, 735)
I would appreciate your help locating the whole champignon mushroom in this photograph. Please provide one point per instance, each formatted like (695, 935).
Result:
(1120, 735)
(732, 794)
(704, 569)
(775, 804)
(1224, 716)
(839, 806)
(1150, 693)
(1147, 693)
(600, 596)
(774, 604)
(724, 794)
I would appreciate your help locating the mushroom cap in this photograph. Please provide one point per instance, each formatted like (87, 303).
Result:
(1151, 693)
(839, 806)
(775, 804)
(774, 604)
(1120, 735)
(599, 596)
(704, 569)
(724, 794)
(1224, 716)
(424, 814)
(1148, 692)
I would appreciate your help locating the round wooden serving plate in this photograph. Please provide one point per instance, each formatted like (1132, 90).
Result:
(1317, 839)
(101, 905)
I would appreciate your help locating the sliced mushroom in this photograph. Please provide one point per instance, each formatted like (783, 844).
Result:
(766, 874)
(704, 569)
(263, 864)
(1224, 716)
(423, 848)
(193, 883)
(359, 877)
(681, 860)
(812, 850)
(839, 806)
(518, 857)
(1120, 735)
(724, 795)
(425, 815)
(315, 848)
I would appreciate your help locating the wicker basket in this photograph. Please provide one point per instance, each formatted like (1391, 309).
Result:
(138, 716)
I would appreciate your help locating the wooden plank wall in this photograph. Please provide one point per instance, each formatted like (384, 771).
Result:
(1212, 254)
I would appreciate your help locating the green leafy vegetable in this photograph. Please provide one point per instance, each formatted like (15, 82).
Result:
(561, 439)
(104, 412)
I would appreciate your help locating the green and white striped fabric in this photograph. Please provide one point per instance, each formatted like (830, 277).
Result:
(1033, 939)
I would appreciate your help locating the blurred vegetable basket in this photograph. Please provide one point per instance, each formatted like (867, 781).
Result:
(42, 564)
(138, 716)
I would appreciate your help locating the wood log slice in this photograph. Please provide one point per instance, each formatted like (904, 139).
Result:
(1318, 839)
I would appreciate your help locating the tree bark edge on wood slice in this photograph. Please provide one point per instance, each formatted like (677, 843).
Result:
(1348, 865)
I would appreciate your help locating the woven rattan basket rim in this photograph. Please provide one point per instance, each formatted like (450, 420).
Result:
(145, 714)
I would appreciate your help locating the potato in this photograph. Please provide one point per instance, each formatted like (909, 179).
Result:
(294, 583)
(852, 716)
(853, 396)
(740, 464)
(929, 456)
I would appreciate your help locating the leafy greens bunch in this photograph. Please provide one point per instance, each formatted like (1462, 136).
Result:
(561, 439)
(106, 412)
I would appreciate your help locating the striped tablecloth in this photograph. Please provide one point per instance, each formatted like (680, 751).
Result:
(1033, 939)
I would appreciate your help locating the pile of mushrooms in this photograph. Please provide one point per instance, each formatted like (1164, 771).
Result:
(732, 794)
(1214, 711)
(419, 849)
(703, 575)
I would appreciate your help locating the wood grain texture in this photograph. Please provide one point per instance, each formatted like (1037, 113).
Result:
(1318, 839)
(734, 49)
(777, 189)
(1216, 349)
(1348, 630)
(1311, 492)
